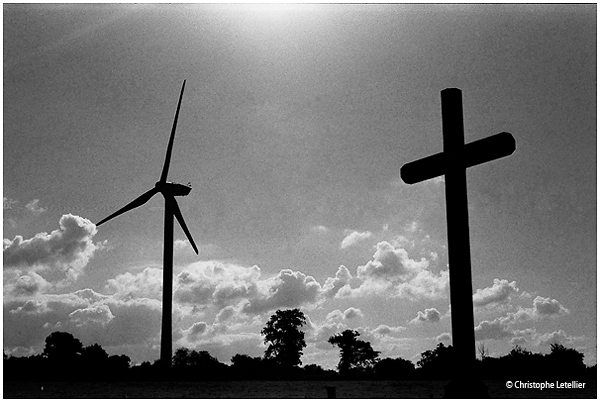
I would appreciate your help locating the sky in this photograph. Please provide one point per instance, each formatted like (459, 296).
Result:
(295, 122)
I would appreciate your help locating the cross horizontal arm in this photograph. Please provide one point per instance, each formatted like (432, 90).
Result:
(477, 152)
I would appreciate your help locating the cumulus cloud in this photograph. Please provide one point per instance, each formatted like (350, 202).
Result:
(98, 314)
(496, 329)
(17, 283)
(201, 331)
(226, 313)
(392, 271)
(352, 312)
(333, 285)
(430, 315)
(288, 289)
(444, 338)
(30, 307)
(354, 237)
(147, 283)
(193, 332)
(559, 337)
(390, 263)
(544, 307)
(88, 315)
(218, 284)
(532, 337)
(386, 330)
(349, 314)
(34, 207)
(58, 256)
(320, 334)
(499, 292)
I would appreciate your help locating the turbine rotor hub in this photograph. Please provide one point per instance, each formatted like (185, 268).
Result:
(172, 188)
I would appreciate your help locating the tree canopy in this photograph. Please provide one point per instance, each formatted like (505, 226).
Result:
(284, 337)
(354, 353)
(62, 346)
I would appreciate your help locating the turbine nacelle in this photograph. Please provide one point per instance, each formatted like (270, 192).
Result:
(173, 189)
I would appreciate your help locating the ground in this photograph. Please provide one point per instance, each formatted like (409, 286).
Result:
(271, 389)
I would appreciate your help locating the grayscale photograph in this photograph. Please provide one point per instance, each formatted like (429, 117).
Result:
(299, 200)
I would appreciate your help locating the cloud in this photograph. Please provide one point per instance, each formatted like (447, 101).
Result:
(89, 316)
(97, 314)
(319, 229)
(224, 346)
(193, 332)
(430, 315)
(385, 330)
(495, 329)
(445, 338)
(333, 285)
(500, 292)
(320, 334)
(17, 283)
(353, 238)
(349, 314)
(183, 246)
(147, 283)
(544, 307)
(218, 284)
(390, 263)
(352, 313)
(30, 307)
(7, 203)
(559, 337)
(179, 245)
(35, 208)
(392, 272)
(58, 256)
(225, 314)
(201, 331)
(288, 289)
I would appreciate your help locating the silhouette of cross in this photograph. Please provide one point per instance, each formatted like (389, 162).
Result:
(452, 163)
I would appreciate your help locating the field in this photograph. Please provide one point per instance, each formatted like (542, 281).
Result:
(270, 389)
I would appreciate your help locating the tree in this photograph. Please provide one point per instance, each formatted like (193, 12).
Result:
(482, 351)
(438, 362)
(354, 353)
(61, 346)
(194, 364)
(394, 369)
(284, 337)
(565, 360)
(119, 363)
(94, 354)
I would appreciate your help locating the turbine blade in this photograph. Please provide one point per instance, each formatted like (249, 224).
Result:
(177, 213)
(163, 176)
(141, 200)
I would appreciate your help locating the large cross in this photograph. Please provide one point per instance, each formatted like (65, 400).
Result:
(453, 163)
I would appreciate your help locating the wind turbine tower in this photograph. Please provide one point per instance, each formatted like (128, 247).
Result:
(169, 191)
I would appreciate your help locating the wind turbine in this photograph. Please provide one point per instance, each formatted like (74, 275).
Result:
(169, 191)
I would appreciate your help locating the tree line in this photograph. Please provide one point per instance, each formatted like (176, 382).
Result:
(65, 359)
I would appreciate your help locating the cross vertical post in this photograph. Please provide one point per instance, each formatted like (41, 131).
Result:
(457, 215)
(453, 163)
